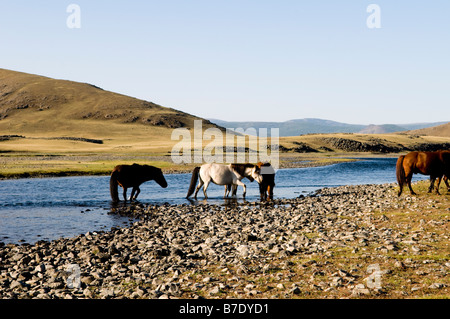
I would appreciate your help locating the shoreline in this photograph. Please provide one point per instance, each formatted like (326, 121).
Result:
(294, 162)
(316, 246)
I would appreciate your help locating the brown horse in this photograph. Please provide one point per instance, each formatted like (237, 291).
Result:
(268, 181)
(435, 164)
(133, 176)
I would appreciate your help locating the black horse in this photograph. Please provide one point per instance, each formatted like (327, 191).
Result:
(133, 176)
(268, 181)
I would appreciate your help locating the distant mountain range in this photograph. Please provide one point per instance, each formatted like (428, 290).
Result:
(313, 125)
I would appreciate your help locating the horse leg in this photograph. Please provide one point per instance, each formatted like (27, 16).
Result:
(238, 182)
(438, 183)
(234, 190)
(205, 186)
(136, 190)
(270, 191)
(200, 183)
(125, 194)
(408, 181)
(262, 191)
(432, 179)
(227, 191)
(446, 183)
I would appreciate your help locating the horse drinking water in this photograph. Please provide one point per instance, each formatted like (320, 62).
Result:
(221, 174)
(265, 187)
(268, 181)
(133, 176)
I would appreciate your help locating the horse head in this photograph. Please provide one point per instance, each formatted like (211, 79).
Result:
(256, 174)
(160, 179)
(155, 174)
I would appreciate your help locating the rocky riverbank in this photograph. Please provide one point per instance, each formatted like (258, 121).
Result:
(345, 242)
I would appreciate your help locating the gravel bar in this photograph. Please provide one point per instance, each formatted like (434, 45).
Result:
(281, 249)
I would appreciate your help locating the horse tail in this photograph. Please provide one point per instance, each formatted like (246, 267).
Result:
(113, 185)
(401, 179)
(194, 179)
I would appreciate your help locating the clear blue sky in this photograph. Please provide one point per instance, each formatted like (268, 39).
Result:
(248, 59)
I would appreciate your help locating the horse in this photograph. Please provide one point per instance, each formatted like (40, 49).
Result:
(240, 168)
(436, 164)
(221, 174)
(133, 176)
(265, 187)
(268, 181)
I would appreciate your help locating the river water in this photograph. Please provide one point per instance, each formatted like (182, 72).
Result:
(50, 208)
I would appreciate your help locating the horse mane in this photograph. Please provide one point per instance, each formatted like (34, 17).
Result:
(240, 168)
(261, 164)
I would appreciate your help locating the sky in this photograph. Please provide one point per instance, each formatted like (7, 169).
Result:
(246, 60)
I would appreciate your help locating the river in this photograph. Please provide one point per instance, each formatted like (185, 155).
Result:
(50, 208)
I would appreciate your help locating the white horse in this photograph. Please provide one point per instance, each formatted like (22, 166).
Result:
(221, 174)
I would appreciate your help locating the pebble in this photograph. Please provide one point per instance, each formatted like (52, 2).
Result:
(170, 249)
(436, 286)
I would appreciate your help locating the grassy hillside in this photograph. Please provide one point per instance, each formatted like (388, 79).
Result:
(365, 143)
(65, 127)
(38, 106)
(440, 130)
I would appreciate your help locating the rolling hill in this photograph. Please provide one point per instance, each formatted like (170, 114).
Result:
(38, 105)
(440, 130)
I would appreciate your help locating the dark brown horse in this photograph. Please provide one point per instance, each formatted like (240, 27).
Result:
(268, 181)
(265, 187)
(435, 164)
(133, 176)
